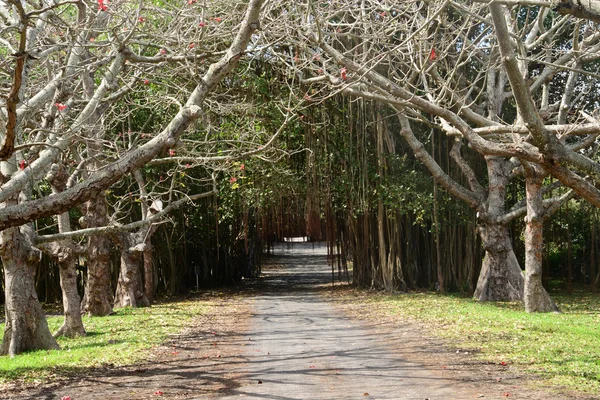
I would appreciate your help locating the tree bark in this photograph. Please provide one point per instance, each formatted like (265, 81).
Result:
(500, 278)
(130, 291)
(97, 300)
(148, 271)
(65, 252)
(535, 296)
(26, 326)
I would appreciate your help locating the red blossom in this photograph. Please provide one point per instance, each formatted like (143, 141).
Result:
(343, 73)
(233, 180)
(171, 152)
(60, 106)
(242, 167)
(217, 19)
(163, 51)
(158, 393)
(202, 24)
(188, 166)
(146, 81)
(102, 6)
(432, 55)
(191, 1)
(192, 45)
(22, 164)
(141, 19)
(65, 398)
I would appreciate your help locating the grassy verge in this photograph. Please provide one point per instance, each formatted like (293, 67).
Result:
(562, 348)
(118, 339)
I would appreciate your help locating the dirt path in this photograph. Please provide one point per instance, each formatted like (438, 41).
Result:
(305, 347)
(291, 337)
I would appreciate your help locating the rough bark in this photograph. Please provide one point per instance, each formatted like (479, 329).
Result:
(148, 271)
(130, 291)
(500, 278)
(26, 327)
(535, 296)
(97, 300)
(73, 324)
(66, 253)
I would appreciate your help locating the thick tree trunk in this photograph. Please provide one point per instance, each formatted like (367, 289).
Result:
(535, 296)
(26, 327)
(98, 294)
(130, 291)
(500, 278)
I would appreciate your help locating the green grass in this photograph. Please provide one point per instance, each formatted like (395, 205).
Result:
(118, 339)
(562, 348)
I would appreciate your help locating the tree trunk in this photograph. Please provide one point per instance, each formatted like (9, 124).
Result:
(148, 271)
(130, 290)
(26, 326)
(535, 296)
(73, 324)
(98, 294)
(66, 255)
(500, 278)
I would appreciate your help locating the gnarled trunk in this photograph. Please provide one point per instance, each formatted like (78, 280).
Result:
(500, 278)
(97, 300)
(130, 291)
(26, 326)
(535, 296)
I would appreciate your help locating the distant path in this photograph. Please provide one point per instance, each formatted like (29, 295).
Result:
(301, 347)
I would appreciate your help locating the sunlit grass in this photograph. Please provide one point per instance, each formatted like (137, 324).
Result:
(563, 348)
(118, 339)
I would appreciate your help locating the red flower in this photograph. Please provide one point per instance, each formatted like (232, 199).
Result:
(163, 51)
(233, 180)
(242, 167)
(102, 6)
(171, 152)
(158, 393)
(192, 45)
(65, 398)
(343, 73)
(432, 55)
(60, 106)
(146, 81)
(141, 19)
(202, 24)
(22, 164)
(217, 19)
(188, 166)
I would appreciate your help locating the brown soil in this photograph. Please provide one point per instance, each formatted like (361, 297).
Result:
(204, 360)
(416, 342)
(207, 360)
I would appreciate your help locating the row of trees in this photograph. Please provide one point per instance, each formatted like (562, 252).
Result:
(116, 114)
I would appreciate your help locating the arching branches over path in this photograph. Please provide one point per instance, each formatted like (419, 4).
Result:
(462, 66)
(74, 65)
